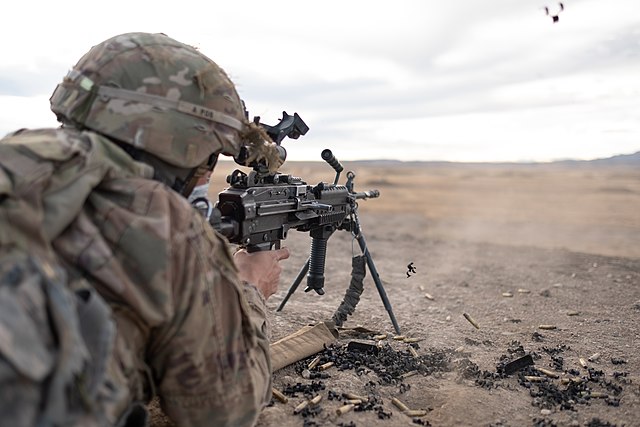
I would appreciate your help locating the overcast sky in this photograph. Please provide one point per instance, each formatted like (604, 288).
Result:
(460, 80)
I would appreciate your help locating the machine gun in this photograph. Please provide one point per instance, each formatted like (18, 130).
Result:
(258, 210)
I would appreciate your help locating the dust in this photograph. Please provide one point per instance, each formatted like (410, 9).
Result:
(561, 242)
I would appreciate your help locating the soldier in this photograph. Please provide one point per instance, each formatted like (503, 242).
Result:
(113, 289)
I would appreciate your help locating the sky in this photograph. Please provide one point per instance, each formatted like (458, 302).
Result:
(457, 80)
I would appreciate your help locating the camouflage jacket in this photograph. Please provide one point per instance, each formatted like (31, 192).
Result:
(185, 328)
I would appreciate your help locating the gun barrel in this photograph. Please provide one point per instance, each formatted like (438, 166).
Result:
(371, 194)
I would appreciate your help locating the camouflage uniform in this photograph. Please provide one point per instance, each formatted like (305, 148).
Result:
(81, 221)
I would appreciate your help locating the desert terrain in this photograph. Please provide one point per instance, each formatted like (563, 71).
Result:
(514, 246)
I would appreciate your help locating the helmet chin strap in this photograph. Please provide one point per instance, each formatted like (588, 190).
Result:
(187, 186)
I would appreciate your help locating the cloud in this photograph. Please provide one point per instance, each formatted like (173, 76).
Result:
(441, 80)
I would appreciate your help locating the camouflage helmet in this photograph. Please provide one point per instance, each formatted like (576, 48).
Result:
(157, 95)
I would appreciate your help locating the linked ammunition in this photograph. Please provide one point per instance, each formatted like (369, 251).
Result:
(470, 319)
(278, 395)
(344, 409)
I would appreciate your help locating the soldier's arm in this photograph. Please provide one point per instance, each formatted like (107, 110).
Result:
(212, 363)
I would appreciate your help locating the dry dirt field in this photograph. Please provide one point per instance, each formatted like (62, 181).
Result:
(515, 247)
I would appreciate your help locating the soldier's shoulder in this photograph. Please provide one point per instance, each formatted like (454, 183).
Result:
(48, 144)
(64, 143)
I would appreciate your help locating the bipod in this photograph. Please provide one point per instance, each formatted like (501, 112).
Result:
(357, 233)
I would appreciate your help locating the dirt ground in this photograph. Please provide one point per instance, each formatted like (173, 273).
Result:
(514, 246)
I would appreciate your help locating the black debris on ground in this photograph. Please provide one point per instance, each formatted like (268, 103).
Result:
(595, 422)
(307, 390)
(389, 364)
(543, 422)
(392, 366)
(548, 393)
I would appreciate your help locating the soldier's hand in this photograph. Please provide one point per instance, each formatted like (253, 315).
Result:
(261, 269)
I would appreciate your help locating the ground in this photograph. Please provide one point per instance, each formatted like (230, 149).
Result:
(515, 247)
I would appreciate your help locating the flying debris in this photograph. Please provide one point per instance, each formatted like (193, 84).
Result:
(554, 17)
(410, 269)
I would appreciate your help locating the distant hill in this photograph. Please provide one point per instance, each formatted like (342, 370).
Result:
(620, 160)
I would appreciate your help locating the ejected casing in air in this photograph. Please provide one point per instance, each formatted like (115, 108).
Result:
(470, 320)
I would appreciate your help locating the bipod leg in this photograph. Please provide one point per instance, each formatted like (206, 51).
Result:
(376, 279)
(295, 284)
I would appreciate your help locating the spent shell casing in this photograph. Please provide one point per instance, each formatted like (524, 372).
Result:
(411, 340)
(301, 406)
(325, 366)
(534, 379)
(316, 400)
(573, 313)
(548, 373)
(548, 327)
(583, 362)
(413, 352)
(279, 395)
(524, 291)
(429, 296)
(353, 396)
(380, 337)
(598, 395)
(353, 401)
(421, 288)
(345, 408)
(594, 357)
(568, 380)
(399, 337)
(416, 412)
(470, 320)
(409, 374)
(398, 404)
(314, 362)
(507, 294)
